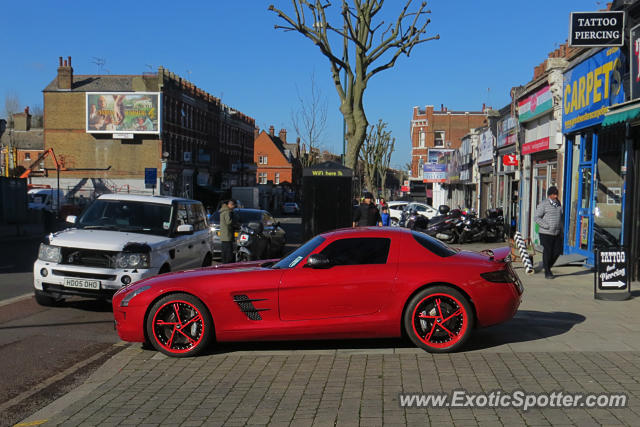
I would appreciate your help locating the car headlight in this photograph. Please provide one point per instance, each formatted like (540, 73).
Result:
(125, 301)
(49, 253)
(132, 260)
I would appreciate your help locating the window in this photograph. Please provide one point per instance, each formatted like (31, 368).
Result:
(182, 217)
(262, 160)
(262, 178)
(27, 156)
(423, 137)
(196, 216)
(277, 178)
(433, 245)
(358, 251)
(439, 138)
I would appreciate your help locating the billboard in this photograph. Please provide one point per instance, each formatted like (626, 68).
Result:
(123, 112)
(590, 88)
(592, 29)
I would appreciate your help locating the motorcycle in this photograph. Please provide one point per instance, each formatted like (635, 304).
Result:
(444, 227)
(494, 225)
(250, 243)
(471, 228)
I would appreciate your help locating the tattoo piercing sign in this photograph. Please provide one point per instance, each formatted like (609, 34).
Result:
(611, 280)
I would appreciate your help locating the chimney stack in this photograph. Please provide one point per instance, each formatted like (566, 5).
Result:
(65, 74)
(283, 135)
(272, 131)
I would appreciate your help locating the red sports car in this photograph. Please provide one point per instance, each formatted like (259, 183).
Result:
(352, 283)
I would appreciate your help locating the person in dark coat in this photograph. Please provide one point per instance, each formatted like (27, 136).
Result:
(549, 218)
(227, 230)
(367, 213)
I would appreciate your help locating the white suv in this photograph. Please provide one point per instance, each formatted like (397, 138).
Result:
(118, 240)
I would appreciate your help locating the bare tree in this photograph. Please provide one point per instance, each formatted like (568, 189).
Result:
(37, 116)
(11, 105)
(387, 145)
(375, 154)
(310, 121)
(374, 46)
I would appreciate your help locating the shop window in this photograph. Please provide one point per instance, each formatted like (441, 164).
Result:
(439, 138)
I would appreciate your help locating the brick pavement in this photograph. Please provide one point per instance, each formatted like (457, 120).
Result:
(561, 339)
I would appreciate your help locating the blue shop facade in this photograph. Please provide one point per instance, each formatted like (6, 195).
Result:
(595, 171)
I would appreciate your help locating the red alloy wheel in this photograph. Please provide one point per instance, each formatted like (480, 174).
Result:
(439, 319)
(179, 325)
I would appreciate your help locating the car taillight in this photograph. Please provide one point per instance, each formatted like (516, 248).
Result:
(498, 276)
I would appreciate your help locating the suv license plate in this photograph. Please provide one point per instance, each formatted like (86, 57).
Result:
(82, 283)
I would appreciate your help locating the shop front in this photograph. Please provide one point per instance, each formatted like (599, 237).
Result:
(542, 137)
(486, 171)
(594, 196)
(507, 181)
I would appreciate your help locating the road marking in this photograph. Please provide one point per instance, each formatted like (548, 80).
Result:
(32, 423)
(15, 299)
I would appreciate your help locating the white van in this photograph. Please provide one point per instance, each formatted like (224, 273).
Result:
(45, 199)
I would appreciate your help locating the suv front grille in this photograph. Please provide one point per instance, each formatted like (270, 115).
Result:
(88, 257)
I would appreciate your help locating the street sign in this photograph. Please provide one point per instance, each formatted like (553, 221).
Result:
(611, 279)
(150, 177)
(592, 29)
(510, 160)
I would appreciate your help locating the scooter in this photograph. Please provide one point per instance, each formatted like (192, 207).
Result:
(494, 224)
(251, 243)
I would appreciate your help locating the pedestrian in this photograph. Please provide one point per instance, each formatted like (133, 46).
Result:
(386, 218)
(383, 204)
(549, 217)
(367, 213)
(227, 229)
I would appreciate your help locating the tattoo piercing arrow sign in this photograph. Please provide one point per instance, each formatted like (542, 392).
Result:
(617, 285)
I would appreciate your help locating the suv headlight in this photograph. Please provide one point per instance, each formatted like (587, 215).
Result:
(49, 253)
(132, 260)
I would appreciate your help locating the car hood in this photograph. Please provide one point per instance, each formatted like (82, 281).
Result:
(105, 240)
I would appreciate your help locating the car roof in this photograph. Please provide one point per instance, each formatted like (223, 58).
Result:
(164, 200)
(397, 202)
(367, 231)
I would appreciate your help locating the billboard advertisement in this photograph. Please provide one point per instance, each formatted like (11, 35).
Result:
(590, 88)
(535, 105)
(123, 112)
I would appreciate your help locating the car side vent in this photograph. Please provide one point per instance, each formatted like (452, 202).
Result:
(246, 305)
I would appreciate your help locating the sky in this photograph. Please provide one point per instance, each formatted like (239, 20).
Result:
(231, 50)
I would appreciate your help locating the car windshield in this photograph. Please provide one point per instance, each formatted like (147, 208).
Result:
(299, 254)
(244, 216)
(125, 215)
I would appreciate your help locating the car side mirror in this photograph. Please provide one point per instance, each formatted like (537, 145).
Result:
(318, 261)
(185, 229)
(71, 219)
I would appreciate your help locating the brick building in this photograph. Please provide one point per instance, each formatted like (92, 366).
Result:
(192, 139)
(276, 160)
(437, 131)
(23, 143)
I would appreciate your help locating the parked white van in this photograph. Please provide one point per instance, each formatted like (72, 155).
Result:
(118, 240)
(45, 199)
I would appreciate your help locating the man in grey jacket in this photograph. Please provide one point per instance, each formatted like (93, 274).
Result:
(227, 230)
(549, 218)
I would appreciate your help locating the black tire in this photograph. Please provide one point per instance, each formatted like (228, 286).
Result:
(46, 300)
(207, 260)
(439, 319)
(167, 321)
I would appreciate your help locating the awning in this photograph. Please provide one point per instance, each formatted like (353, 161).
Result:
(621, 115)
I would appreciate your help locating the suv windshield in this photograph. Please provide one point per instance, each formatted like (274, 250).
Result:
(125, 215)
(299, 254)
